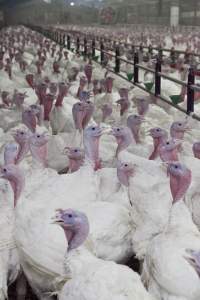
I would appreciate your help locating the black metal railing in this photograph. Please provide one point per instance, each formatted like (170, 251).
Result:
(89, 48)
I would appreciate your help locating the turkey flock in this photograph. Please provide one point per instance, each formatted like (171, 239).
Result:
(93, 173)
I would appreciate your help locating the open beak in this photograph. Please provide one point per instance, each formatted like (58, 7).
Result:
(57, 220)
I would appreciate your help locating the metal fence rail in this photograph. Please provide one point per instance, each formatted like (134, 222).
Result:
(88, 50)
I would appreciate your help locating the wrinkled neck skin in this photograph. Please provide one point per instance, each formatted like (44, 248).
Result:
(135, 131)
(17, 184)
(179, 186)
(48, 104)
(30, 81)
(179, 135)
(23, 150)
(75, 164)
(79, 120)
(40, 154)
(167, 156)
(30, 121)
(76, 237)
(123, 177)
(142, 109)
(59, 100)
(123, 143)
(87, 117)
(157, 142)
(91, 147)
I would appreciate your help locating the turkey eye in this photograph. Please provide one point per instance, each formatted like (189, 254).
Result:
(21, 132)
(157, 129)
(93, 128)
(179, 124)
(75, 150)
(70, 215)
(176, 167)
(38, 136)
(4, 170)
(167, 143)
(79, 104)
(125, 165)
(118, 129)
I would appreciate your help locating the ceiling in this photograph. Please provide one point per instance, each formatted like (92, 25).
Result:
(9, 3)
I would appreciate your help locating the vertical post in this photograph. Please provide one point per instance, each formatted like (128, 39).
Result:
(141, 48)
(136, 69)
(160, 53)
(158, 78)
(190, 91)
(150, 49)
(117, 59)
(93, 48)
(63, 39)
(68, 42)
(85, 47)
(77, 45)
(102, 52)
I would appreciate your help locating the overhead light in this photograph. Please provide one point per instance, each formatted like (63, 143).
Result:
(72, 3)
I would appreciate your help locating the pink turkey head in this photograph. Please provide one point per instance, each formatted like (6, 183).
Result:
(91, 137)
(66, 55)
(109, 84)
(16, 178)
(22, 138)
(29, 119)
(10, 153)
(106, 111)
(123, 92)
(134, 123)
(5, 99)
(196, 149)
(88, 72)
(63, 89)
(18, 99)
(95, 86)
(159, 136)
(73, 74)
(76, 157)
(82, 113)
(39, 67)
(38, 147)
(78, 112)
(124, 172)
(53, 87)
(75, 225)
(41, 90)
(142, 106)
(123, 137)
(38, 111)
(178, 129)
(180, 180)
(30, 80)
(56, 67)
(48, 104)
(124, 104)
(168, 151)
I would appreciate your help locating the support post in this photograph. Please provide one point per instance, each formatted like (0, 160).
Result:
(117, 60)
(136, 69)
(190, 91)
(157, 78)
